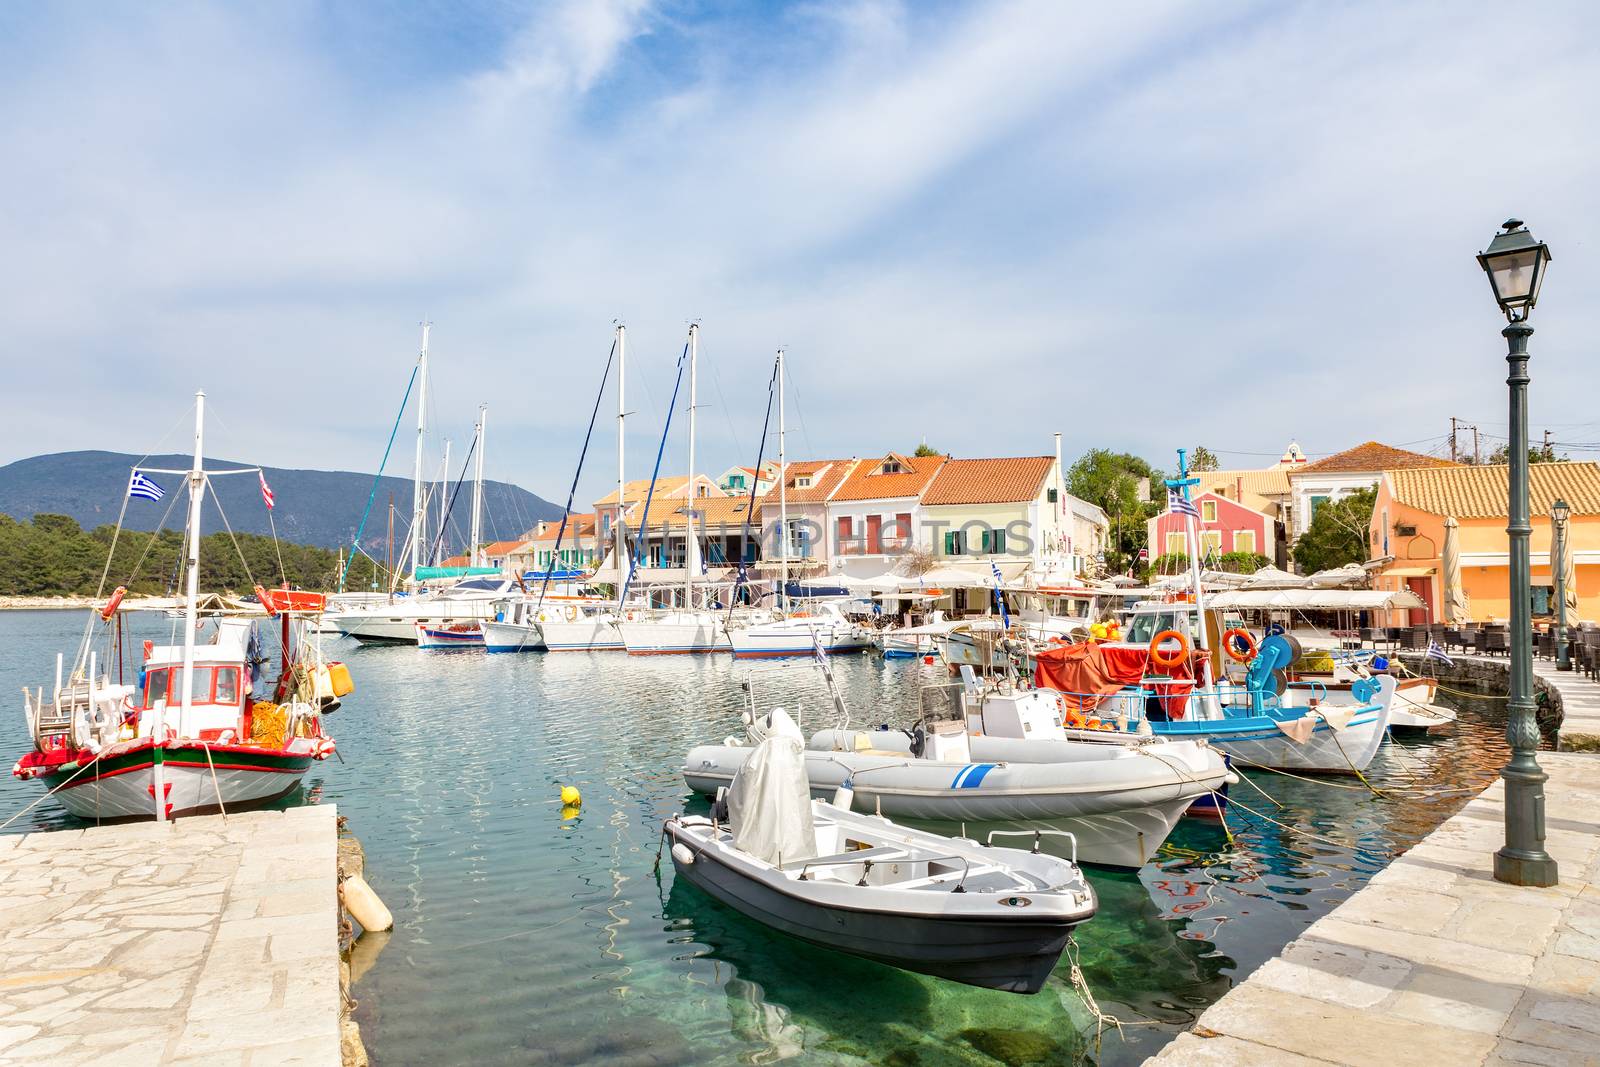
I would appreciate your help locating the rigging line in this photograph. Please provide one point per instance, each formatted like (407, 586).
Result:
(573, 492)
(750, 505)
(800, 411)
(727, 412)
(644, 519)
(450, 505)
(229, 527)
(376, 478)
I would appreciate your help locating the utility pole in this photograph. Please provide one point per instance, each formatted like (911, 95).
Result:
(1453, 421)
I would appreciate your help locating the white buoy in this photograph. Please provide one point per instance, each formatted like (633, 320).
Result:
(363, 904)
(844, 795)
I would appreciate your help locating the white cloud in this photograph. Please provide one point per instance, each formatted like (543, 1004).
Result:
(979, 224)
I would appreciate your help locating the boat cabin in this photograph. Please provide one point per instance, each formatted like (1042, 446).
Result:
(220, 687)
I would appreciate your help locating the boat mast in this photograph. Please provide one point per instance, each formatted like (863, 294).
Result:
(477, 489)
(444, 492)
(690, 544)
(619, 534)
(783, 500)
(1191, 522)
(191, 598)
(418, 512)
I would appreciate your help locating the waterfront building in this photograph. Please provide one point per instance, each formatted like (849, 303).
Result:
(809, 485)
(1226, 526)
(1260, 494)
(1088, 528)
(736, 481)
(537, 552)
(1004, 510)
(1407, 533)
(1343, 473)
(875, 515)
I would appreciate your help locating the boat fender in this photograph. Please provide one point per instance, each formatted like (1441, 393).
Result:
(267, 604)
(844, 794)
(363, 904)
(682, 853)
(111, 605)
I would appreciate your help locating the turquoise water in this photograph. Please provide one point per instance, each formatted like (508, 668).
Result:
(528, 936)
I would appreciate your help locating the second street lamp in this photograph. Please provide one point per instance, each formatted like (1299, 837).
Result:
(1515, 263)
(1560, 512)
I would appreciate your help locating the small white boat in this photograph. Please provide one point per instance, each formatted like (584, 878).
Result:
(1415, 709)
(908, 642)
(992, 917)
(449, 635)
(673, 632)
(799, 634)
(395, 621)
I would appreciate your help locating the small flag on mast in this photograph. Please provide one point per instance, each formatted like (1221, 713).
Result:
(1180, 504)
(266, 492)
(144, 488)
(1434, 652)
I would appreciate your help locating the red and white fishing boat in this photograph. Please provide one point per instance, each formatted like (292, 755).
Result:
(188, 738)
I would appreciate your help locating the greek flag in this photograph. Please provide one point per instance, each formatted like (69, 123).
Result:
(1180, 504)
(999, 597)
(144, 488)
(1436, 653)
(817, 649)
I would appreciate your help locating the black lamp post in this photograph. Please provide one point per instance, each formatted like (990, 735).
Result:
(1515, 263)
(1560, 512)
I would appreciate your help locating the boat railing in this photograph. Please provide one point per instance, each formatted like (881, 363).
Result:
(1037, 834)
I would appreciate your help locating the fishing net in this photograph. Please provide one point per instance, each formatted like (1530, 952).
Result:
(269, 724)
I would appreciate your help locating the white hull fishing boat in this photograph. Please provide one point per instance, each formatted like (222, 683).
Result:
(191, 739)
(998, 918)
(1119, 800)
(799, 635)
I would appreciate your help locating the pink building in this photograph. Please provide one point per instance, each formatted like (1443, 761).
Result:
(1225, 526)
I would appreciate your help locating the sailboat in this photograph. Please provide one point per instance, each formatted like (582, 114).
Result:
(188, 739)
(398, 619)
(686, 628)
(575, 623)
(796, 634)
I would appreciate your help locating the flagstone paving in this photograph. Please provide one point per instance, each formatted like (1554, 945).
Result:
(1433, 961)
(207, 940)
(1580, 705)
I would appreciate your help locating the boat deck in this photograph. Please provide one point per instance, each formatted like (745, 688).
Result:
(206, 940)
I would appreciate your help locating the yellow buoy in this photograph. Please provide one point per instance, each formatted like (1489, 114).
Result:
(570, 797)
(570, 811)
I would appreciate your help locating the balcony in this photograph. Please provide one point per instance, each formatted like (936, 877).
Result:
(881, 546)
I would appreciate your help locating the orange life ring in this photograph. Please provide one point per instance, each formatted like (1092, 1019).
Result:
(266, 602)
(1165, 660)
(111, 605)
(1233, 653)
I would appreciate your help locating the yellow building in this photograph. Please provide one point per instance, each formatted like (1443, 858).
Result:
(1408, 528)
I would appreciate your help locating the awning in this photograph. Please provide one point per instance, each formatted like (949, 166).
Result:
(1317, 599)
(1408, 572)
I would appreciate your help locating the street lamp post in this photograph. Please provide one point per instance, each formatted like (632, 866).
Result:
(1515, 263)
(1560, 512)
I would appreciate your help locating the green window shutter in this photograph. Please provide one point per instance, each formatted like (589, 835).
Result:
(999, 541)
(950, 543)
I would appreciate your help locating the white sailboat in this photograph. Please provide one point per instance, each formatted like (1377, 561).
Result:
(687, 629)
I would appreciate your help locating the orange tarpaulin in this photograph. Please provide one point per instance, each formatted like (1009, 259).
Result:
(1087, 673)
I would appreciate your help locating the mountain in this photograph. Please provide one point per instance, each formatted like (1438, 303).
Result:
(311, 507)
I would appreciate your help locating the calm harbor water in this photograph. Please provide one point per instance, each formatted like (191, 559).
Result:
(526, 934)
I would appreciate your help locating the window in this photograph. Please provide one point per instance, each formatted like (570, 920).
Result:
(891, 466)
(802, 481)
(1210, 543)
(1050, 495)
(1544, 599)
(227, 685)
(1244, 541)
(955, 543)
(736, 482)
(1208, 511)
(1406, 531)
(1176, 545)
(997, 541)
(155, 687)
(1317, 502)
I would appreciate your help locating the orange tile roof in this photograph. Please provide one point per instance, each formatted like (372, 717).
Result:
(500, 548)
(577, 526)
(988, 481)
(826, 474)
(639, 488)
(716, 512)
(454, 561)
(866, 482)
(1480, 492)
(1260, 487)
(1370, 456)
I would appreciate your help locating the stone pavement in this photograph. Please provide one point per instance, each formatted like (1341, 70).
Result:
(204, 941)
(1434, 962)
(1580, 705)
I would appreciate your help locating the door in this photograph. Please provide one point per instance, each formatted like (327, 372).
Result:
(874, 534)
(1423, 587)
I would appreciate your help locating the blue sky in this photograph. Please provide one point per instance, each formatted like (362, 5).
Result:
(970, 223)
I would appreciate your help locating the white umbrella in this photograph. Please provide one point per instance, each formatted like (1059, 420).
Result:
(1350, 576)
(1270, 577)
(1457, 609)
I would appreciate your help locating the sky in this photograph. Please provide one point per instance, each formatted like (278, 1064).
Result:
(1145, 226)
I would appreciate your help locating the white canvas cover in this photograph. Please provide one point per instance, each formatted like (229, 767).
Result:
(769, 803)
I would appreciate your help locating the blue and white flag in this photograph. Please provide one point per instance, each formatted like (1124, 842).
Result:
(1436, 653)
(817, 649)
(1180, 504)
(144, 488)
(999, 597)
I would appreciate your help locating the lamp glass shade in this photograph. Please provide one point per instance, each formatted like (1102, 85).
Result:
(1561, 511)
(1515, 263)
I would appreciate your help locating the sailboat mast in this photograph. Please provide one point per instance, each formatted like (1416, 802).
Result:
(191, 598)
(619, 534)
(783, 499)
(473, 557)
(444, 492)
(689, 542)
(418, 512)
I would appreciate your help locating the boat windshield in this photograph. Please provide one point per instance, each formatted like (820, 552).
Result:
(1146, 624)
(487, 585)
